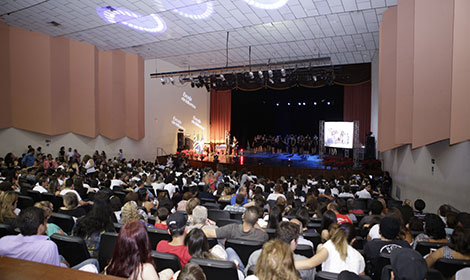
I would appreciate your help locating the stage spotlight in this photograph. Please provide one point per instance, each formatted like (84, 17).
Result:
(201, 80)
(328, 103)
(277, 104)
(181, 80)
(260, 74)
(283, 72)
(172, 81)
(207, 87)
(314, 103)
(314, 78)
(303, 103)
(163, 81)
(283, 80)
(288, 103)
(300, 103)
(270, 74)
(192, 84)
(271, 81)
(252, 76)
(222, 77)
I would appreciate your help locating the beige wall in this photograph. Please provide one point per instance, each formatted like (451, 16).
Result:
(424, 73)
(56, 85)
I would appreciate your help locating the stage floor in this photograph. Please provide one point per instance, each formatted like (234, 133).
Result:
(269, 159)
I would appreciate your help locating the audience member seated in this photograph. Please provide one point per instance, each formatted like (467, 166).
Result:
(245, 231)
(198, 247)
(190, 205)
(177, 228)
(275, 262)
(376, 210)
(32, 243)
(71, 206)
(434, 230)
(132, 255)
(69, 187)
(51, 228)
(162, 216)
(115, 203)
(364, 192)
(407, 264)
(41, 185)
(200, 219)
(341, 211)
(95, 223)
(277, 193)
(389, 230)
(8, 201)
(329, 218)
(404, 234)
(237, 207)
(191, 271)
(336, 254)
(130, 213)
(419, 207)
(459, 248)
(287, 232)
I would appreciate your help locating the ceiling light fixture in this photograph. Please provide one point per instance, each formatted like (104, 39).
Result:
(266, 4)
(260, 74)
(163, 81)
(172, 81)
(252, 76)
(132, 19)
(270, 73)
(195, 9)
(283, 72)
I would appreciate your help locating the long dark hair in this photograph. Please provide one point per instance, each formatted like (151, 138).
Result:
(197, 243)
(132, 250)
(275, 217)
(329, 217)
(97, 220)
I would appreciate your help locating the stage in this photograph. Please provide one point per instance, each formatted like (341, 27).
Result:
(273, 165)
(273, 160)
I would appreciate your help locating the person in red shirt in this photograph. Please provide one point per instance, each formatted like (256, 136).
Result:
(162, 215)
(341, 210)
(177, 228)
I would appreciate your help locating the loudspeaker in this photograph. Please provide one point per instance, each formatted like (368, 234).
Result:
(180, 141)
(370, 148)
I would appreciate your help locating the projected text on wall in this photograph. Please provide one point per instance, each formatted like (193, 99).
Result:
(188, 100)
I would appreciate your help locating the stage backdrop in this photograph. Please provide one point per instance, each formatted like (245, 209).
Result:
(267, 111)
(357, 107)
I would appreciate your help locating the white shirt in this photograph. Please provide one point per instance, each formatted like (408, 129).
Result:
(64, 191)
(374, 231)
(158, 186)
(346, 195)
(275, 196)
(39, 188)
(303, 241)
(354, 261)
(461, 274)
(116, 182)
(363, 194)
(171, 189)
(90, 166)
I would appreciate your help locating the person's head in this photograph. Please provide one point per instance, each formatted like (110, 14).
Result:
(130, 213)
(251, 215)
(70, 200)
(69, 183)
(31, 221)
(191, 204)
(303, 216)
(162, 214)
(376, 207)
(350, 231)
(288, 232)
(463, 219)
(415, 224)
(275, 217)
(46, 206)
(8, 201)
(199, 215)
(406, 213)
(451, 219)
(276, 262)
(242, 190)
(239, 199)
(132, 249)
(329, 218)
(191, 271)
(339, 237)
(197, 243)
(420, 205)
(143, 194)
(407, 264)
(443, 210)
(389, 228)
(434, 227)
(176, 223)
(460, 240)
(115, 203)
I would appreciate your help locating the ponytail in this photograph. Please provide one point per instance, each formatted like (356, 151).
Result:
(339, 239)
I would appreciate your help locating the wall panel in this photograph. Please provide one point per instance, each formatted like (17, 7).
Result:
(5, 88)
(60, 85)
(432, 71)
(134, 96)
(387, 79)
(460, 113)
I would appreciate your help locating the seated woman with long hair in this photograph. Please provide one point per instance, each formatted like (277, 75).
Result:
(336, 254)
(8, 201)
(47, 207)
(276, 262)
(459, 248)
(132, 255)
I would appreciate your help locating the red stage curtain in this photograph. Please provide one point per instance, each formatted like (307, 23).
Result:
(357, 107)
(221, 111)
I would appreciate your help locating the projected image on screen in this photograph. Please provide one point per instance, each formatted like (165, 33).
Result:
(339, 134)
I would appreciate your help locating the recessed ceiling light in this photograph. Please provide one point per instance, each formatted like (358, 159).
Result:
(266, 4)
(195, 9)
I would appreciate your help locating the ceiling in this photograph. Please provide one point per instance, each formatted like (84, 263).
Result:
(345, 30)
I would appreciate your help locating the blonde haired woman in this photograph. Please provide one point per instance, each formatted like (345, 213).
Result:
(8, 201)
(336, 254)
(275, 262)
(129, 213)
